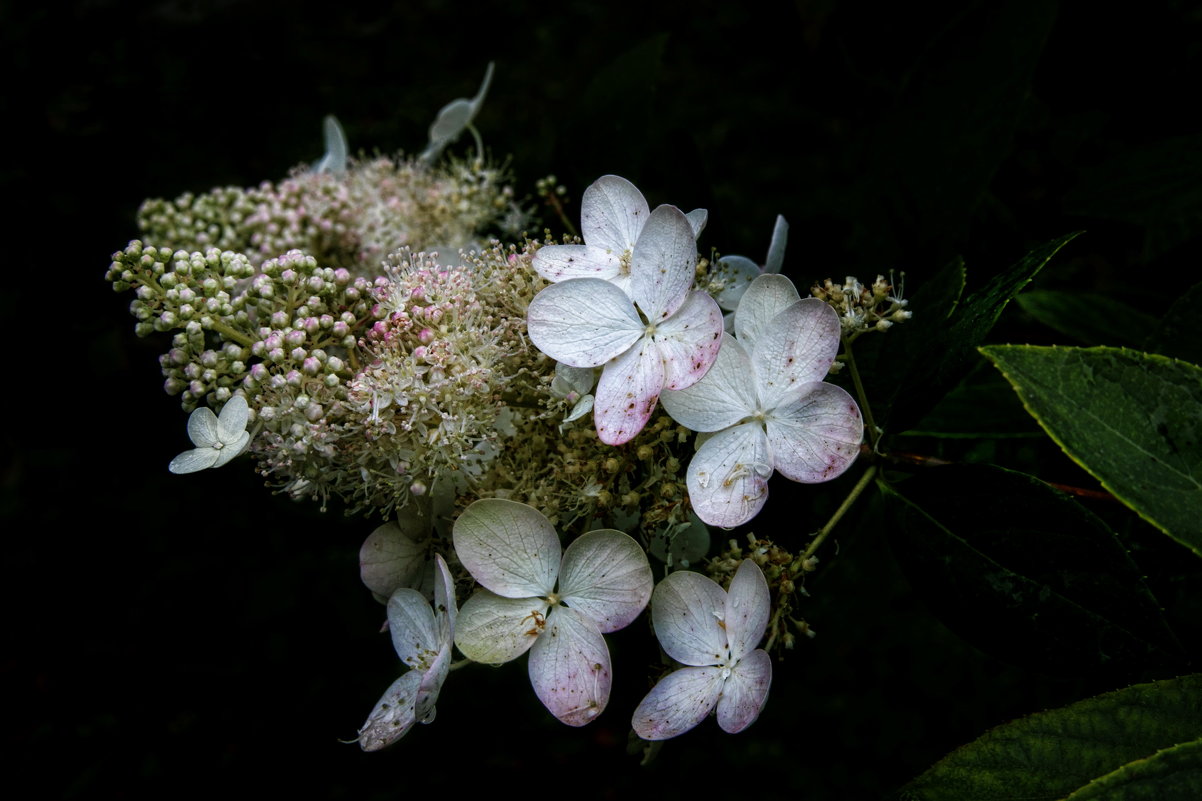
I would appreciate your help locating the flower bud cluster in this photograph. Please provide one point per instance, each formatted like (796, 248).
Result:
(199, 222)
(864, 308)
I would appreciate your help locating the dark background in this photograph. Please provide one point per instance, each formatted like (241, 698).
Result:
(182, 636)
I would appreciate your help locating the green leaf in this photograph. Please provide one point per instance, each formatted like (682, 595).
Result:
(1131, 419)
(1056, 754)
(1089, 318)
(1174, 772)
(1179, 334)
(1024, 572)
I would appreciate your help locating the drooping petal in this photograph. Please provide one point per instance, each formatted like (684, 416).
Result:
(720, 399)
(334, 160)
(393, 715)
(390, 558)
(455, 116)
(431, 685)
(748, 606)
(445, 608)
(227, 452)
(509, 547)
(203, 428)
(605, 576)
(697, 219)
(495, 630)
(776, 249)
(558, 263)
(679, 702)
(745, 692)
(767, 297)
(628, 392)
(570, 668)
(816, 437)
(728, 476)
(797, 347)
(612, 214)
(194, 461)
(413, 629)
(231, 424)
(664, 263)
(689, 340)
(584, 322)
(687, 610)
(736, 274)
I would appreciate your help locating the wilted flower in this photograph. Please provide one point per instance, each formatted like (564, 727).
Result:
(217, 439)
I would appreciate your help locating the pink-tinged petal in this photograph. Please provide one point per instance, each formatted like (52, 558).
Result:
(728, 477)
(720, 399)
(776, 249)
(233, 447)
(748, 606)
(679, 702)
(745, 692)
(232, 420)
(767, 297)
(736, 274)
(664, 263)
(203, 429)
(605, 576)
(413, 629)
(584, 322)
(796, 348)
(194, 461)
(697, 219)
(627, 393)
(389, 560)
(495, 630)
(560, 262)
(393, 715)
(688, 611)
(612, 214)
(816, 438)
(570, 667)
(689, 340)
(509, 547)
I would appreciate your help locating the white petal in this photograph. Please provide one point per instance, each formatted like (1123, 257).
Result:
(776, 250)
(495, 630)
(334, 160)
(745, 692)
(748, 606)
(445, 608)
(767, 297)
(697, 219)
(570, 668)
(572, 380)
(605, 576)
(679, 702)
(194, 460)
(231, 424)
(413, 629)
(628, 392)
(728, 477)
(795, 348)
(231, 449)
(664, 263)
(389, 560)
(456, 115)
(612, 214)
(736, 274)
(393, 715)
(687, 610)
(720, 399)
(509, 547)
(584, 322)
(688, 341)
(816, 438)
(558, 263)
(203, 428)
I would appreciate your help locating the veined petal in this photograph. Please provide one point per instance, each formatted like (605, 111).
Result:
(664, 263)
(720, 399)
(393, 715)
(509, 547)
(687, 610)
(679, 702)
(767, 297)
(584, 322)
(194, 461)
(203, 428)
(748, 605)
(627, 393)
(816, 437)
(795, 348)
(560, 262)
(231, 449)
(605, 576)
(495, 630)
(570, 668)
(688, 341)
(728, 477)
(736, 274)
(745, 692)
(390, 559)
(413, 629)
(612, 214)
(231, 424)
(776, 249)
(697, 219)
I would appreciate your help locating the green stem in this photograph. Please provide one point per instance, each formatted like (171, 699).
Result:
(869, 423)
(232, 334)
(822, 534)
(479, 143)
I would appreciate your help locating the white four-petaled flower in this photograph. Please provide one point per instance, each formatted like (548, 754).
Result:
(766, 400)
(217, 439)
(663, 334)
(422, 636)
(714, 633)
(735, 273)
(604, 582)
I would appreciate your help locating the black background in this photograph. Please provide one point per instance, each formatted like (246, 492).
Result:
(182, 636)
